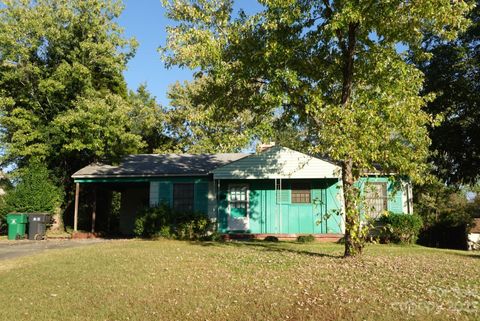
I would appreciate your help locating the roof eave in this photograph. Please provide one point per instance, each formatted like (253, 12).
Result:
(137, 176)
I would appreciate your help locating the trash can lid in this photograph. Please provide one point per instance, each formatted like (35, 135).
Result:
(38, 217)
(18, 217)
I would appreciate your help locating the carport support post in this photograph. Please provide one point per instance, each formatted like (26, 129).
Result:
(94, 208)
(75, 215)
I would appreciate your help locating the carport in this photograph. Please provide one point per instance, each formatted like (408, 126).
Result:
(94, 187)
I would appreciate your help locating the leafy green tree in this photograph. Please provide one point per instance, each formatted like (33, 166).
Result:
(149, 121)
(35, 191)
(334, 67)
(5, 183)
(63, 98)
(447, 214)
(199, 127)
(453, 74)
(5, 186)
(98, 126)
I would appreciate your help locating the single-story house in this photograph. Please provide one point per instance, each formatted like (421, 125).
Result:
(474, 235)
(277, 191)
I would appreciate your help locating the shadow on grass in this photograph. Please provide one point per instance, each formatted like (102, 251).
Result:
(447, 251)
(268, 246)
(473, 256)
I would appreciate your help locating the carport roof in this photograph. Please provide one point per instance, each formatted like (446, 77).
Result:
(159, 165)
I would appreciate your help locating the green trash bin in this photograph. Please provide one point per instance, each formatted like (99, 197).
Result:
(16, 225)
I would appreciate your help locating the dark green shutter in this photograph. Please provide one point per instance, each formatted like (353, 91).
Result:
(201, 197)
(165, 193)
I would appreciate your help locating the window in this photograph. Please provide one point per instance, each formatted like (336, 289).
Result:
(183, 197)
(300, 192)
(376, 198)
(238, 197)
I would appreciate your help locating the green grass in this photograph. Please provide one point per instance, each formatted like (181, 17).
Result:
(171, 280)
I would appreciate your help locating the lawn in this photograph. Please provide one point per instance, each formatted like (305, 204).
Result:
(172, 280)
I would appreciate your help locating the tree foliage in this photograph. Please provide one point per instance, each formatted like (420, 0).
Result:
(5, 186)
(330, 69)
(453, 74)
(148, 121)
(35, 191)
(447, 214)
(63, 98)
(200, 127)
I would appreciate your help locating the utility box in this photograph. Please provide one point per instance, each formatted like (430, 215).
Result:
(37, 225)
(16, 225)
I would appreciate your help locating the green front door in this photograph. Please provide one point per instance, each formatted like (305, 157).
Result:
(238, 219)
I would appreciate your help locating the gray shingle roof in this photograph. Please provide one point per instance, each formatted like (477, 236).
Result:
(151, 165)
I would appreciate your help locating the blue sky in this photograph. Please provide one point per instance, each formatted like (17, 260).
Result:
(145, 20)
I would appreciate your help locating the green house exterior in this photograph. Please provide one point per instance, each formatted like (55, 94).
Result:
(399, 197)
(271, 211)
(277, 192)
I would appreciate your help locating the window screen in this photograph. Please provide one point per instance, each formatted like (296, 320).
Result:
(300, 192)
(183, 195)
(376, 198)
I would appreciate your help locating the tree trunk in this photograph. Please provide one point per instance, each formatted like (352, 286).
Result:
(57, 224)
(353, 245)
(348, 51)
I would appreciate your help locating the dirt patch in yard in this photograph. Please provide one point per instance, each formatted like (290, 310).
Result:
(14, 249)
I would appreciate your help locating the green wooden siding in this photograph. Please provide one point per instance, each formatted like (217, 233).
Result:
(269, 215)
(272, 212)
(284, 196)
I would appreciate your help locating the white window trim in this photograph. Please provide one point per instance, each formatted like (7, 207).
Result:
(247, 216)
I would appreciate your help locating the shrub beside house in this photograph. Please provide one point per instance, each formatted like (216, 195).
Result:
(33, 191)
(5, 185)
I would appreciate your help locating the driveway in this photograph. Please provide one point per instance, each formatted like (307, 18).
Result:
(13, 249)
